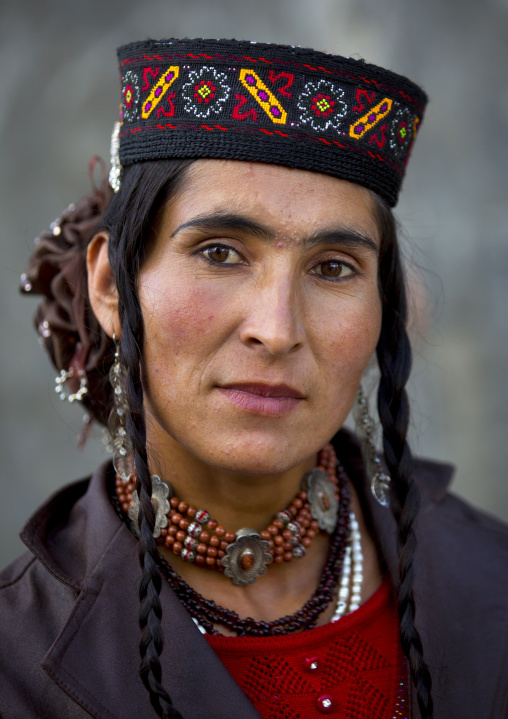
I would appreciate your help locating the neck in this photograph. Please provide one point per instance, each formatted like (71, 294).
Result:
(236, 499)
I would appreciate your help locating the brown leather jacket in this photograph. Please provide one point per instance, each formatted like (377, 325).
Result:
(68, 611)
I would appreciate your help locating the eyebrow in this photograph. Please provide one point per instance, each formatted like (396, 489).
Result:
(220, 221)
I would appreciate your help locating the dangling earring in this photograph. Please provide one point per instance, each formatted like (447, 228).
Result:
(75, 373)
(380, 482)
(123, 453)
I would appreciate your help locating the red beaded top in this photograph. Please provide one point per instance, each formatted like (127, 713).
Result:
(352, 668)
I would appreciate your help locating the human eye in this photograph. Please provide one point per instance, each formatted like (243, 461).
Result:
(219, 254)
(334, 270)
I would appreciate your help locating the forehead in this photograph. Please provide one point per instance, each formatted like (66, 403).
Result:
(292, 202)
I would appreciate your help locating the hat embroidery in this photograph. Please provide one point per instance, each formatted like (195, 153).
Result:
(358, 129)
(322, 105)
(262, 95)
(130, 96)
(159, 89)
(206, 92)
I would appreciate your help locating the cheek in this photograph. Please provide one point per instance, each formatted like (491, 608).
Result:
(350, 340)
(182, 318)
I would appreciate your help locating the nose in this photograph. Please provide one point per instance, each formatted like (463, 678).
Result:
(273, 316)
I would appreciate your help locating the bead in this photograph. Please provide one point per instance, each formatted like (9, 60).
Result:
(212, 524)
(220, 531)
(190, 542)
(201, 548)
(184, 523)
(298, 503)
(306, 541)
(181, 535)
(278, 552)
(169, 541)
(221, 553)
(210, 561)
(211, 552)
(278, 559)
(177, 548)
(266, 535)
(183, 507)
(284, 515)
(247, 560)
(324, 704)
(288, 556)
(188, 555)
(173, 502)
(298, 551)
(311, 664)
(205, 536)
(194, 529)
(172, 530)
(176, 518)
(277, 540)
(294, 527)
(191, 512)
(229, 537)
(273, 530)
(202, 516)
(214, 541)
(286, 535)
(200, 560)
(278, 523)
(224, 545)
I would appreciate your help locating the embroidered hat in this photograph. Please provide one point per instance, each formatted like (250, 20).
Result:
(267, 103)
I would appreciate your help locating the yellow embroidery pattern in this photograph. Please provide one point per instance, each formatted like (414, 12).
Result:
(371, 118)
(159, 90)
(262, 95)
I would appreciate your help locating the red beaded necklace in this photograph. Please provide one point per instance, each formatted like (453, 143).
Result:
(194, 536)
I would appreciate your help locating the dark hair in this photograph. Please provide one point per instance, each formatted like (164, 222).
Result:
(130, 219)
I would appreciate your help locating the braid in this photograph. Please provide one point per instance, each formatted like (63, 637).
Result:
(126, 258)
(394, 358)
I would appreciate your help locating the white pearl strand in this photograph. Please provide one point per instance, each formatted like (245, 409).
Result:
(353, 561)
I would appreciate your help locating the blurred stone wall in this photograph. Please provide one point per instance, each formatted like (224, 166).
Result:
(59, 98)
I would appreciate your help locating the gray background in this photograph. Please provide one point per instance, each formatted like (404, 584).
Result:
(59, 98)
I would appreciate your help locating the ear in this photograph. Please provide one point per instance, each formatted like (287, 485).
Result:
(101, 285)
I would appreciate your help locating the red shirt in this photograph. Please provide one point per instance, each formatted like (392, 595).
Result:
(353, 668)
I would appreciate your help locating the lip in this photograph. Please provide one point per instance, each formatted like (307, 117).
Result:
(260, 398)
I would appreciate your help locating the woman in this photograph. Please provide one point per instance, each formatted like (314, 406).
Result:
(217, 313)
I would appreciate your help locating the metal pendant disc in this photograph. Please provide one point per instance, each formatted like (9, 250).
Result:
(248, 544)
(323, 503)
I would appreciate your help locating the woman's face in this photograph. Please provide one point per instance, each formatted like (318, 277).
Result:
(261, 310)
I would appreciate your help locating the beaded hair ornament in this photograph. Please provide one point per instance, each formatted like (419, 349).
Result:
(266, 103)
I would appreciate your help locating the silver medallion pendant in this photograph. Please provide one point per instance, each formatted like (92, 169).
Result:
(381, 487)
(246, 558)
(321, 495)
(160, 493)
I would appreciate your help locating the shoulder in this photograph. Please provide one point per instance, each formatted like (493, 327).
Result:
(452, 521)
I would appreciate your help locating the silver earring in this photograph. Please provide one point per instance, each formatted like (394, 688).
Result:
(120, 443)
(71, 374)
(380, 481)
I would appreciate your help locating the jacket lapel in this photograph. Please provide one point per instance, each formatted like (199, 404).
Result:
(95, 658)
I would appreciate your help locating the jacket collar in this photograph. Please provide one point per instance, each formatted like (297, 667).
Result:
(100, 560)
(79, 539)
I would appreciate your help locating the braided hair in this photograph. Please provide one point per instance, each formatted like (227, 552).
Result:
(394, 360)
(130, 218)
